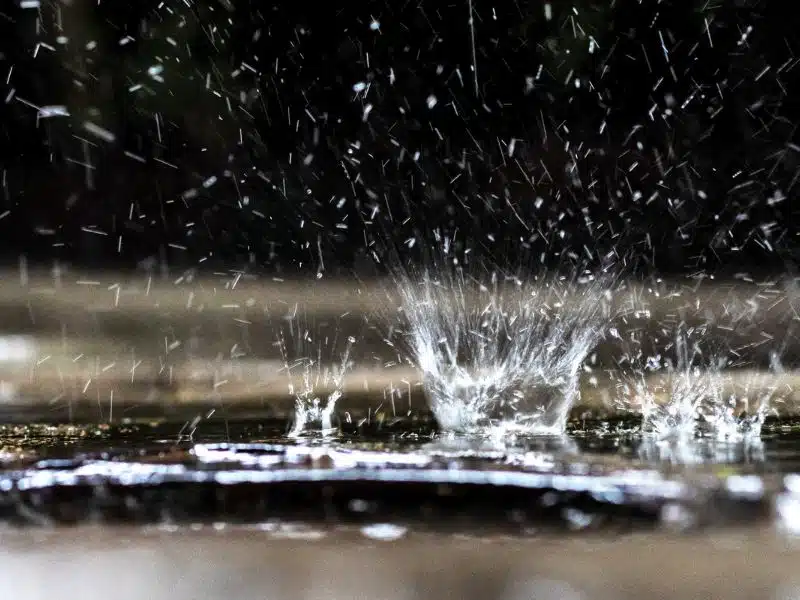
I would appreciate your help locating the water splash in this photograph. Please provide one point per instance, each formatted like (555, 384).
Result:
(744, 405)
(315, 381)
(691, 388)
(704, 400)
(498, 354)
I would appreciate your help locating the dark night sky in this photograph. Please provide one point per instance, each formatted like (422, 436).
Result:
(242, 134)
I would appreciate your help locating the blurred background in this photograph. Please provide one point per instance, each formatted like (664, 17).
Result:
(312, 137)
(168, 166)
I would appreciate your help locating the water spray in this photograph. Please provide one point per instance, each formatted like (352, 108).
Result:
(315, 381)
(498, 354)
(706, 399)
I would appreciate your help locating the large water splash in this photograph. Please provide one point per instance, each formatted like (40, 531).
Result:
(316, 366)
(499, 354)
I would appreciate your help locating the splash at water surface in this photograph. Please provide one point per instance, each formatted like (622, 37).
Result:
(316, 366)
(497, 354)
(705, 399)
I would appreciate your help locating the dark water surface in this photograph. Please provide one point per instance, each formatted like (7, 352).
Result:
(619, 438)
(216, 510)
(601, 476)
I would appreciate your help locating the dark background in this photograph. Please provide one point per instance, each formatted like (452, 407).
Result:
(256, 148)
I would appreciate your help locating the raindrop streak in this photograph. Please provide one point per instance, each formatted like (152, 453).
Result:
(474, 53)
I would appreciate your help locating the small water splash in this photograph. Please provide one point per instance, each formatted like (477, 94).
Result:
(740, 412)
(693, 385)
(316, 366)
(499, 355)
(705, 400)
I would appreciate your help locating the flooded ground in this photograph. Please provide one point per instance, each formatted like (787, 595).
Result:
(144, 453)
(602, 476)
(399, 511)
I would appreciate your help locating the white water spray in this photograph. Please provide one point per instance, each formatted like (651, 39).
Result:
(315, 381)
(689, 386)
(705, 400)
(500, 355)
(743, 405)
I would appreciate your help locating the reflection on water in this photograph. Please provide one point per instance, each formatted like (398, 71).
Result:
(454, 444)
(787, 506)
(617, 439)
(697, 451)
(602, 474)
